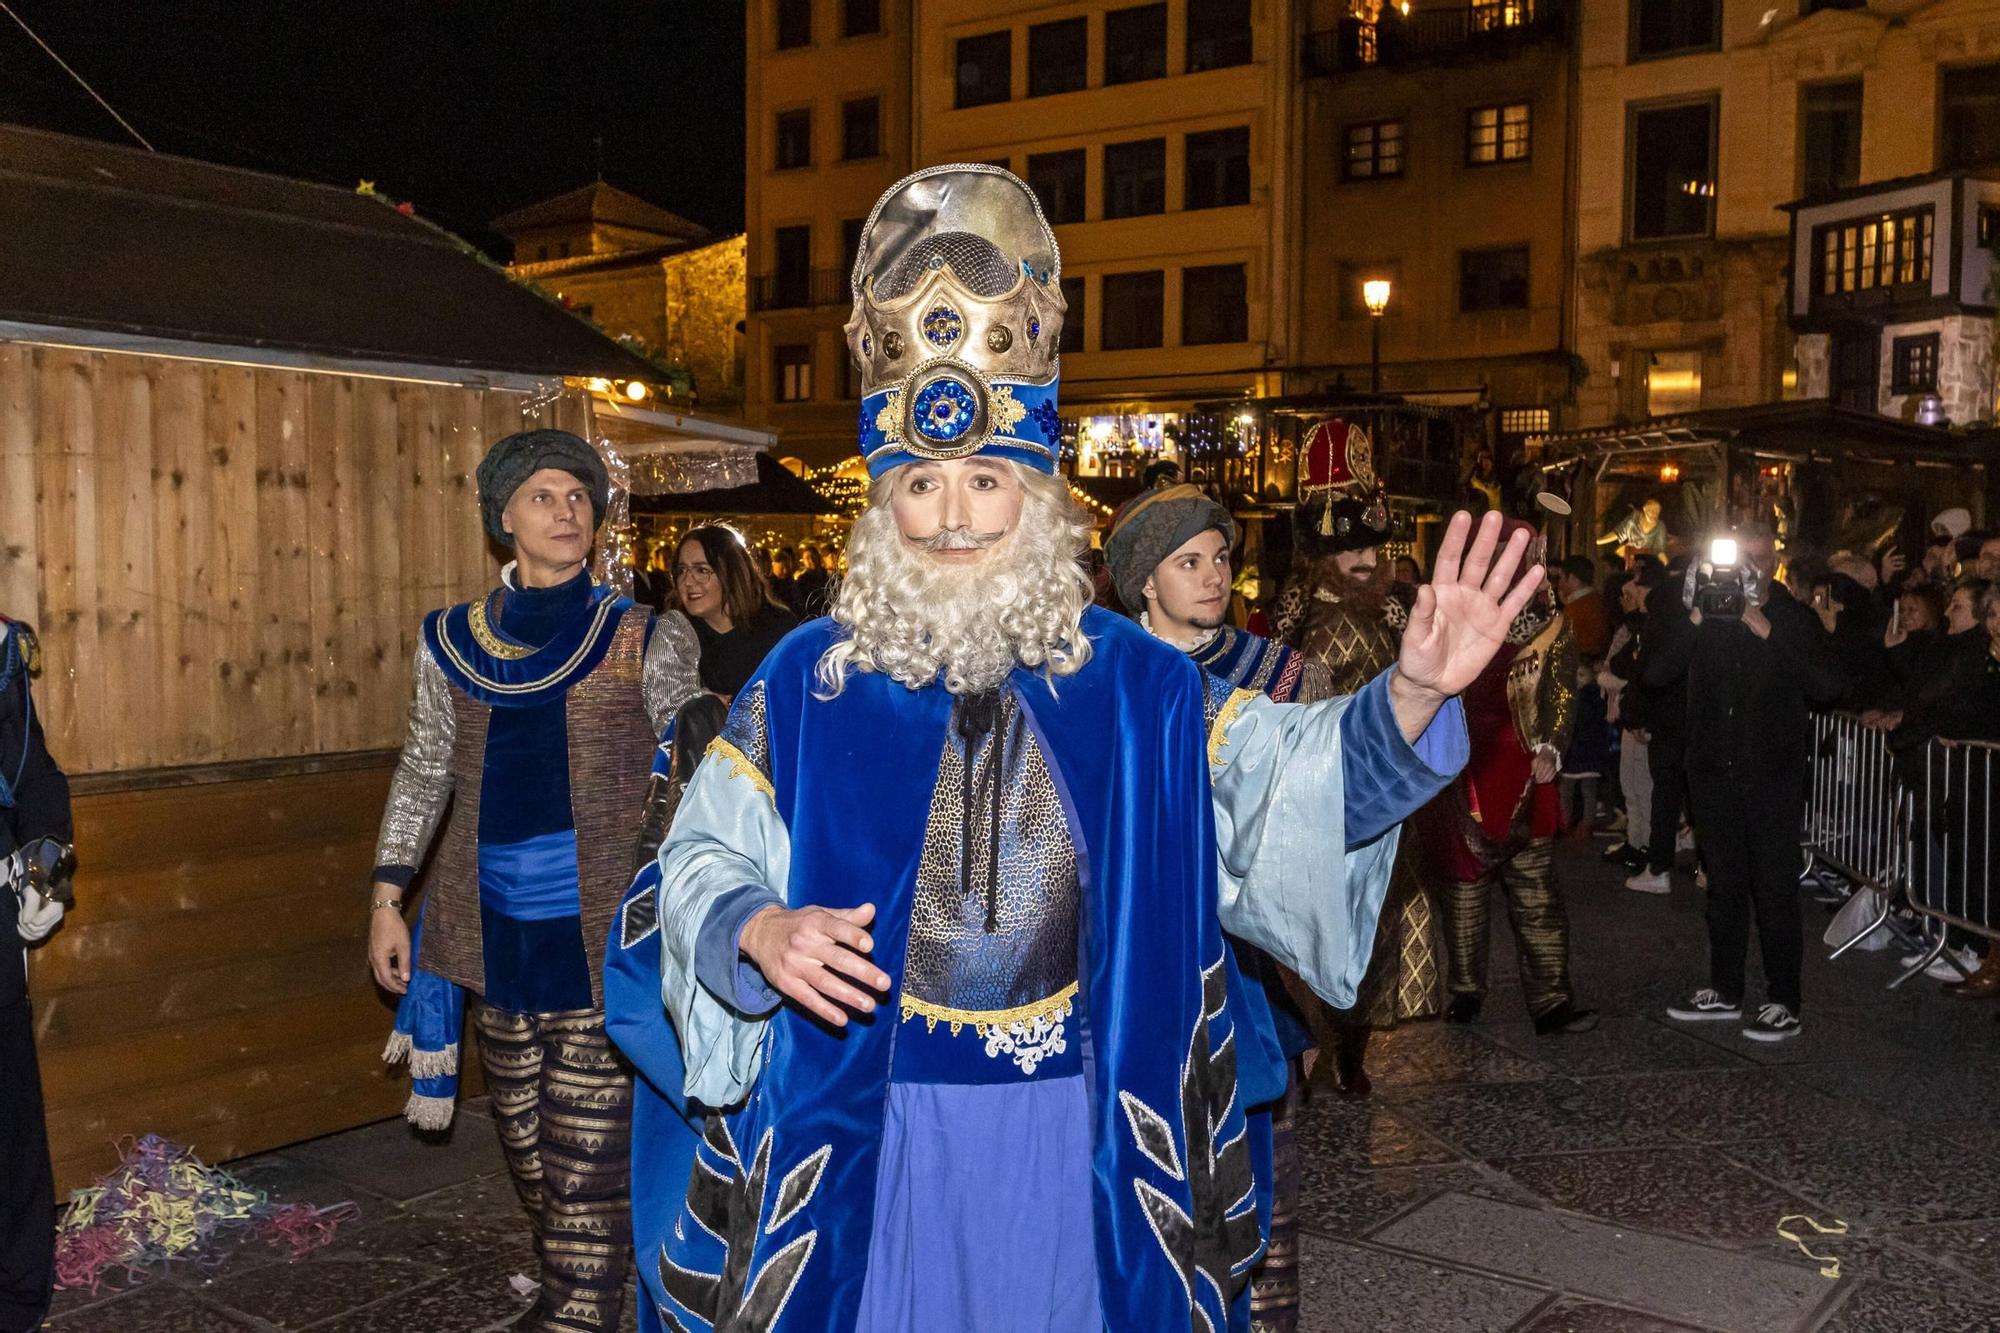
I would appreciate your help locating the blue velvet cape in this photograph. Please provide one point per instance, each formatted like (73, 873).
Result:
(665, 1124)
(780, 1205)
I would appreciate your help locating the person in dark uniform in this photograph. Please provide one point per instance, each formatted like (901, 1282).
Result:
(35, 836)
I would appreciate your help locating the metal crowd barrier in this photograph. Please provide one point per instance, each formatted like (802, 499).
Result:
(1914, 827)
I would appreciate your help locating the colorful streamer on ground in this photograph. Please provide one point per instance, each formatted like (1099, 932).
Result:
(162, 1204)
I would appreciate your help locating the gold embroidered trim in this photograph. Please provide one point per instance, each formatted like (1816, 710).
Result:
(483, 635)
(1238, 701)
(982, 1020)
(604, 609)
(740, 766)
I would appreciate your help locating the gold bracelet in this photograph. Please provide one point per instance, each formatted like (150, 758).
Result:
(396, 903)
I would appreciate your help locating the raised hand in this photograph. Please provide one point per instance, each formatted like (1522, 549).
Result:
(1462, 615)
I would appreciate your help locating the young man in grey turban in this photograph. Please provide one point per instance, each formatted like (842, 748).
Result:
(536, 715)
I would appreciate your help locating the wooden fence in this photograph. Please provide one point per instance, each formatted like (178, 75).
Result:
(228, 566)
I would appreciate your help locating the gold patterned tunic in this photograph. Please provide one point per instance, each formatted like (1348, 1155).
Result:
(1404, 979)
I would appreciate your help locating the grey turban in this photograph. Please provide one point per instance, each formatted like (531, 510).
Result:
(521, 455)
(1152, 527)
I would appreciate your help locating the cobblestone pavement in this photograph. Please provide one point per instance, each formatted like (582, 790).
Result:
(1629, 1180)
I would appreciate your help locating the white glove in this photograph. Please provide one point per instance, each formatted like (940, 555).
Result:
(39, 916)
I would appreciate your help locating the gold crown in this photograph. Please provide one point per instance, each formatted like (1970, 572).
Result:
(958, 311)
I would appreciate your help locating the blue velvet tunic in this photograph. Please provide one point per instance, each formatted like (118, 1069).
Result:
(531, 915)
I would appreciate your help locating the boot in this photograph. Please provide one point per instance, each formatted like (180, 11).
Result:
(1350, 1055)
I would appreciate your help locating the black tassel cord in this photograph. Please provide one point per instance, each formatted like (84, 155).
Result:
(978, 716)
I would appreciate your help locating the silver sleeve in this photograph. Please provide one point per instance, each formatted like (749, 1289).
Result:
(671, 675)
(422, 783)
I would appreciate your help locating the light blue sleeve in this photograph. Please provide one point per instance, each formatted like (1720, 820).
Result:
(1292, 880)
(726, 835)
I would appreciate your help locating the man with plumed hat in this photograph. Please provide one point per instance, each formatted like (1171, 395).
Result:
(1345, 613)
(1493, 829)
(536, 716)
(941, 913)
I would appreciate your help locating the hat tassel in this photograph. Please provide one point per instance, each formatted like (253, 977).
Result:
(1326, 518)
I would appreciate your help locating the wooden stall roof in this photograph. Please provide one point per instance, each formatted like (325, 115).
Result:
(111, 239)
(1806, 429)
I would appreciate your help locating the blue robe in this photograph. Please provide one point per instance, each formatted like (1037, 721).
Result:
(826, 802)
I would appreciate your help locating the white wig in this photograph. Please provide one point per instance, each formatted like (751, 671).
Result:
(911, 617)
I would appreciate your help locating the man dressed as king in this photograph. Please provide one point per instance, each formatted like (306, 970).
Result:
(1345, 615)
(941, 913)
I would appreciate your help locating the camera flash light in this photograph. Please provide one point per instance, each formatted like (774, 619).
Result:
(1722, 551)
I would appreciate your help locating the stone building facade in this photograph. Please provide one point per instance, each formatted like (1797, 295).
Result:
(1702, 123)
(641, 272)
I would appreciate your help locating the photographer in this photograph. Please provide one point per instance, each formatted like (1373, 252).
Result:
(1753, 657)
(34, 867)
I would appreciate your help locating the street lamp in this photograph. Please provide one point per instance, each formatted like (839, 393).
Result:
(1375, 295)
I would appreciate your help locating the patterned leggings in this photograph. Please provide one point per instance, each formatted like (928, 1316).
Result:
(563, 1100)
(1541, 928)
(1274, 1283)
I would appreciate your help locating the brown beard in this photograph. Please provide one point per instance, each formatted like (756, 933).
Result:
(1364, 595)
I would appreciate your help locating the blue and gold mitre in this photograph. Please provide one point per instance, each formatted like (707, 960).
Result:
(957, 312)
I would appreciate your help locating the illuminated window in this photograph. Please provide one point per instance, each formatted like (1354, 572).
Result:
(1673, 382)
(1879, 253)
(1524, 421)
(1496, 134)
(1913, 364)
(792, 372)
(1374, 151)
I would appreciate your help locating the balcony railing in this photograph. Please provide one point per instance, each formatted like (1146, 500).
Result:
(1434, 34)
(799, 290)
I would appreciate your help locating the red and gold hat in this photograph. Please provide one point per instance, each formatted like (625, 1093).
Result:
(1339, 471)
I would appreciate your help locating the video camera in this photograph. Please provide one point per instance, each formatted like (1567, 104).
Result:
(1720, 587)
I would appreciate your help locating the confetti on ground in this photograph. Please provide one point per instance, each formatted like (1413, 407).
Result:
(163, 1204)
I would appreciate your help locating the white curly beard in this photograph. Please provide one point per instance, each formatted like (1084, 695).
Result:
(912, 617)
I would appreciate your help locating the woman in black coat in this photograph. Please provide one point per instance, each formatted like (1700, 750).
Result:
(735, 616)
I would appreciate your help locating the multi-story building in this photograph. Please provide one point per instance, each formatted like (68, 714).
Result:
(1436, 154)
(1701, 121)
(828, 128)
(643, 273)
(1155, 136)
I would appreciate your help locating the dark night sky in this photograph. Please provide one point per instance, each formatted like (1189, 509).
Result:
(467, 107)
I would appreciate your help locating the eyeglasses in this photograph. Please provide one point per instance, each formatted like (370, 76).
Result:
(699, 573)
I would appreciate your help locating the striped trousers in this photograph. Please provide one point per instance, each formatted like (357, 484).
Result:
(1535, 911)
(563, 1100)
